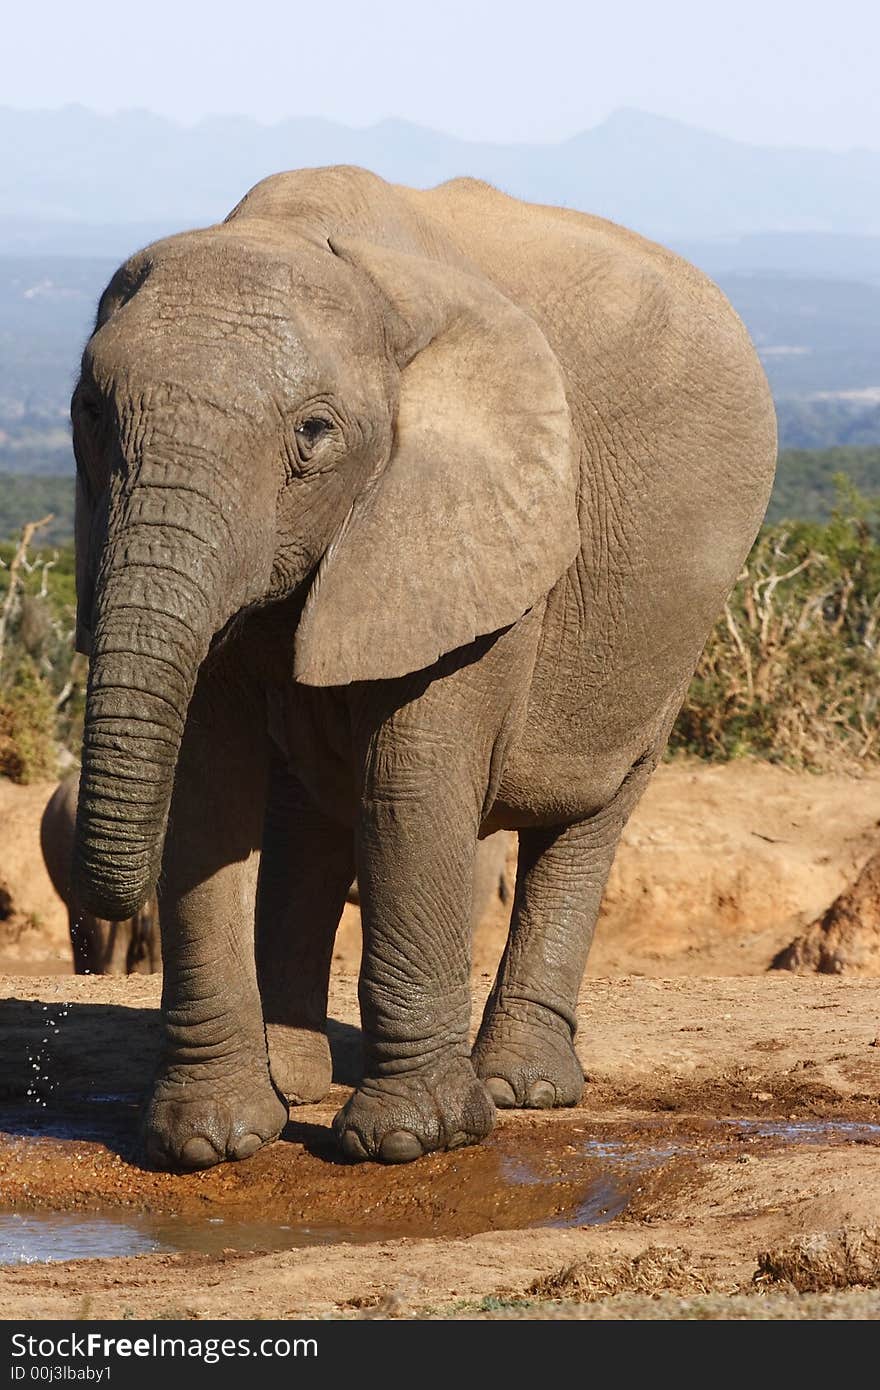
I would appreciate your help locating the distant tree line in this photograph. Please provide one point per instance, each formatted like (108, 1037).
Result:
(807, 484)
(805, 490)
(25, 496)
(822, 423)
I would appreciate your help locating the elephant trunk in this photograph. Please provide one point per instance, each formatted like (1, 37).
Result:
(164, 589)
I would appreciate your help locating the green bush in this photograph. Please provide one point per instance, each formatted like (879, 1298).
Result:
(28, 751)
(790, 672)
(42, 680)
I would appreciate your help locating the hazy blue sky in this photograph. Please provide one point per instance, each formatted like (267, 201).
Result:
(767, 71)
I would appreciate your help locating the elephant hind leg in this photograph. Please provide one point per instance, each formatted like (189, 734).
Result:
(143, 952)
(524, 1051)
(306, 870)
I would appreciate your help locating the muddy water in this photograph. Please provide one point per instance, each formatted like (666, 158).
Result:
(43, 1237)
(30, 1237)
(77, 1194)
(71, 1190)
(812, 1131)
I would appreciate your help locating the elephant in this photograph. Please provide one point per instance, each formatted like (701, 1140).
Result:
(100, 947)
(490, 877)
(447, 489)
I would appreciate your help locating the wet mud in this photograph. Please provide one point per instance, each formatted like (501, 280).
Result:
(716, 1114)
(73, 1185)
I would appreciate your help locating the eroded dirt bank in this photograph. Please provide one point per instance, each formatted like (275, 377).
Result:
(721, 1117)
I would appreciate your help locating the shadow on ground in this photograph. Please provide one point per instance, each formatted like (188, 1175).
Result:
(82, 1071)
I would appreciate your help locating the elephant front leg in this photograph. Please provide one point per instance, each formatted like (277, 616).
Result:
(306, 870)
(213, 1097)
(415, 858)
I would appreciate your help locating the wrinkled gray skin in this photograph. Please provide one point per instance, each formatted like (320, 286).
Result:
(102, 947)
(490, 876)
(449, 489)
(99, 947)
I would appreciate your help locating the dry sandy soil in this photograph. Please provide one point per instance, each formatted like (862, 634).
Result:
(724, 1161)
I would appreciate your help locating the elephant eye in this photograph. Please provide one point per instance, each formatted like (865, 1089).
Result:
(309, 434)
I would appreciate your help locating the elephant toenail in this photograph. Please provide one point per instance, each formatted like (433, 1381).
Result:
(246, 1145)
(198, 1153)
(400, 1147)
(501, 1092)
(352, 1146)
(542, 1095)
(458, 1140)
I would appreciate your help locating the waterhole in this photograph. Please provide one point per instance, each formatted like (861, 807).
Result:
(32, 1237)
(555, 1175)
(46, 1237)
(79, 1191)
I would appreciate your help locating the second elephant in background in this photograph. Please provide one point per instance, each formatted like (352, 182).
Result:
(100, 947)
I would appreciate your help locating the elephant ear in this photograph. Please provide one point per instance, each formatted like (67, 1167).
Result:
(474, 516)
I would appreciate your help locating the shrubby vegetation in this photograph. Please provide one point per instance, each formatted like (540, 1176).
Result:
(42, 680)
(791, 671)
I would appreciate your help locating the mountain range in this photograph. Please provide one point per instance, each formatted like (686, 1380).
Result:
(74, 181)
(791, 235)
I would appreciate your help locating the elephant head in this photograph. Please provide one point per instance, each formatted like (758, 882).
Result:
(294, 403)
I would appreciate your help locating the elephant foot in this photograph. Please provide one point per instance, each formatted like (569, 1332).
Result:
(300, 1062)
(527, 1060)
(193, 1123)
(398, 1118)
